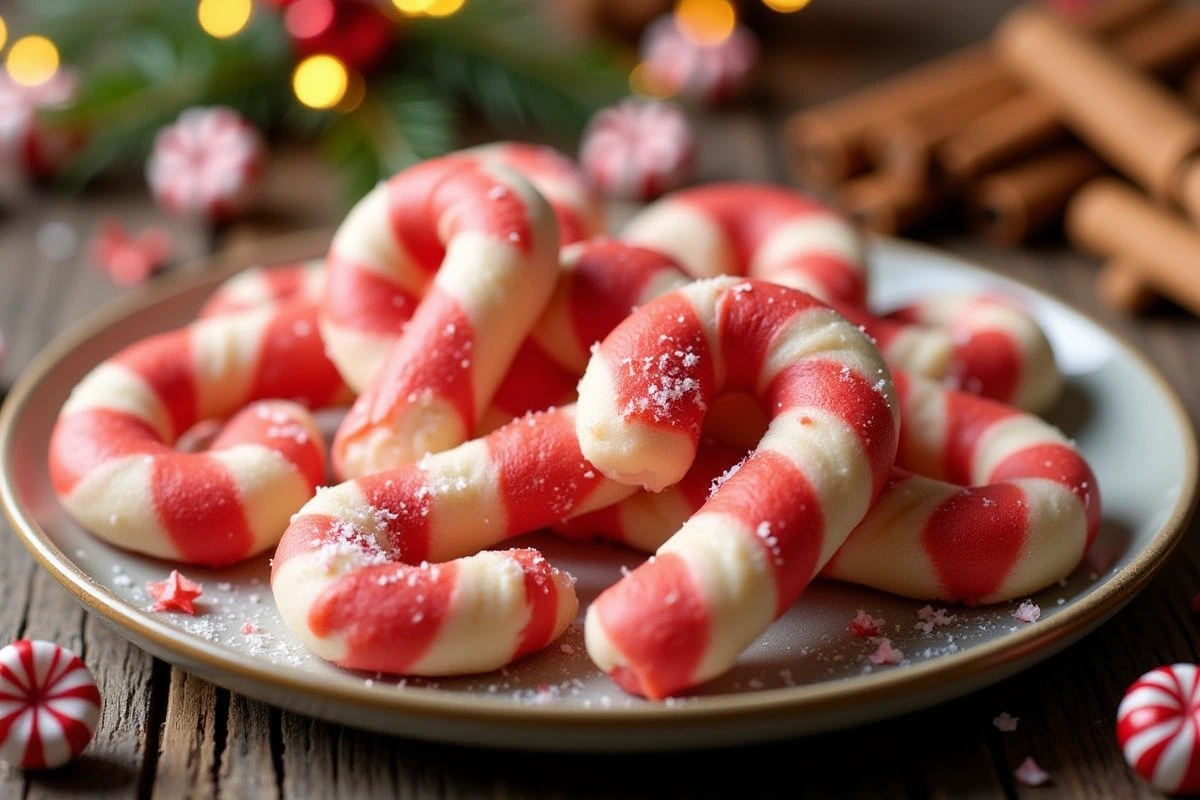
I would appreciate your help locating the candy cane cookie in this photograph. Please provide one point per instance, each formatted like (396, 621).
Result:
(491, 243)
(747, 554)
(761, 231)
(987, 504)
(353, 577)
(257, 287)
(979, 343)
(388, 252)
(111, 458)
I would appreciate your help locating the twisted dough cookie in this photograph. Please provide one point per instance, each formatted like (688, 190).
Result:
(387, 252)
(987, 504)
(747, 554)
(259, 287)
(982, 344)
(111, 459)
(352, 577)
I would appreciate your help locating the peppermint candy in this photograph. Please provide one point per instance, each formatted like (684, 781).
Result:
(638, 149)
(49, 705)
(209, 162)
(25, 141)
(1157, 727)
(711, 73)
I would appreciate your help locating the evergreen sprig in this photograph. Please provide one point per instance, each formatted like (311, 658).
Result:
(142, 62)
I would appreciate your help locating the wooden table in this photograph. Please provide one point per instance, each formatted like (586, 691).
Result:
(166, 734)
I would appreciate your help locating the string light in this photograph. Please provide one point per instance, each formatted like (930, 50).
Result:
(444, 8)
(413, 7)
(786, 6)
(32, 61)
(3, 32)
(706, 22)
(431, 8)
(223, 18)
(320, 81)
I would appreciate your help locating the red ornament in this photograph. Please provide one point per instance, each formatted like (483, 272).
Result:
(358, 33)
(176, 593)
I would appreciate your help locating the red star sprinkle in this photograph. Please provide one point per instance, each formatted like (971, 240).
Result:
(1031, 774)
(176, 593)
(864, 625)
(125, 258)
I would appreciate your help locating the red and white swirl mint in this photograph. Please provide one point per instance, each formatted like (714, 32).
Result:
(209, 162)
(49, 705)
(25, 141)
(638, 150)
(1158, 728)
(677, 63)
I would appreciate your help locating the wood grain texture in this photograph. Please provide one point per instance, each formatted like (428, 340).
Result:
(166, 734)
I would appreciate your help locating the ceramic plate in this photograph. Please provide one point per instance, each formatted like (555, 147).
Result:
(805, 674)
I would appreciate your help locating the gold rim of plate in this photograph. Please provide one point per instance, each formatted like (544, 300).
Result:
(843, 695)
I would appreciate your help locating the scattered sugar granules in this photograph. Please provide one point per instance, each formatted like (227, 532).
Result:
(1005, 722)
(864, 625)
(885, 653)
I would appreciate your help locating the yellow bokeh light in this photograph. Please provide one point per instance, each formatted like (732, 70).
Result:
(706, 22)
(444, 8)
(786, 6)
(413, 6)
(223, 18)
(3, 32)
(32, 61)
(320, 81)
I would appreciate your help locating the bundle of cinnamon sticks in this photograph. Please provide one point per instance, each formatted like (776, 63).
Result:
(1022, 129)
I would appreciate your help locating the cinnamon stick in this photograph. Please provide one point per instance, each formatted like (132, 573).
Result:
(1120, 286)
(1128, 118)
(826, 142)
(1009, 206)
(889, 203)
(1122, 225)
(1161, 43)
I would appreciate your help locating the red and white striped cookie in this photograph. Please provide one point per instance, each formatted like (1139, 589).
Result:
(765, 232)
(387, 253)
(744, 558)
(260, 287)
(638, 149)
(111, 456)
(352, 576)
(600, 282)
(1001, 505)
(711, 72)
(210, 161)
(1156, 728)
(490, 244)
(999, 350)
(981, 344)
(1028, 512)
(49, 705)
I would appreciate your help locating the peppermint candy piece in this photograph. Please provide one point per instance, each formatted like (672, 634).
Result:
(678, 64)
(49, 705)
(638, 149)
(209, 162)
(1157, 727)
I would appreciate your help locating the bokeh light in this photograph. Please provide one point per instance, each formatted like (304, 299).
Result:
(3, 32)
(223, 18)
(320, 81)
(786, 6)
(706, 22)
(444, 8)
(413, 6)
(32, 61)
